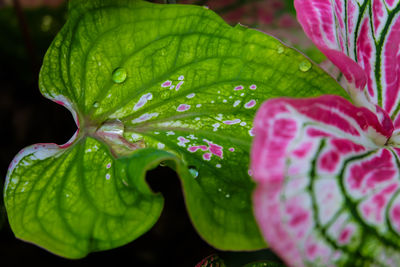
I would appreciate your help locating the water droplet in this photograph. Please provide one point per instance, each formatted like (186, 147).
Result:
(280, 49)
(305, 65)
(96, 104)
(193, 172)
(119, 75)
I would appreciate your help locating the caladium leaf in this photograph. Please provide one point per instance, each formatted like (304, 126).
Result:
(137, 75)
(362, 39)
(328, 192)
(81, 200)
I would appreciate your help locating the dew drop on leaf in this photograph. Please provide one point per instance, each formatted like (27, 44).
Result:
(193, 172)
(305, 65)
(119, 75)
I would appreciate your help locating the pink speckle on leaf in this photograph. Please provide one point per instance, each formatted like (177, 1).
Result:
(250, 104)
(317, 133)
(239, 87)
(195, 148)
(252, 132)
(108, 165)
(207, 156)
(215, 149)
(181, 78)
(231, 149)
(303, 150)
(345, 235)
(230, 122)
(311, 250)
(166, 84)
(298, 217)
(253, 87)
(145, 117)
(329, 161)
(143, 100)
(60, 102)
(178, 86)
(183, 107)
(182, 141)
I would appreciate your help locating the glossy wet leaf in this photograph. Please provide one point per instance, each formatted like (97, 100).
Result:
(138, 75)
(328, 186)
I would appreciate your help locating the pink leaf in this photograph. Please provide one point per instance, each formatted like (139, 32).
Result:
(362, 39)
(327, 189)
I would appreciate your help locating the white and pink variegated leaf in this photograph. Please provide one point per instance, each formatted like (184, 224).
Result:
(363, 39)
(328, 192)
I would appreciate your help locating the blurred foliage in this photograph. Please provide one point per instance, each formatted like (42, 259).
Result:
(264, 264)
(242, 259)
(42, 25)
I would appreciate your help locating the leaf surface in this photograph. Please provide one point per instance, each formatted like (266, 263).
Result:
(328, 190)
(140, 76)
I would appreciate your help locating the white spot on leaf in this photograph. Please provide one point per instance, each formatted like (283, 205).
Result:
(160, 145)
(145, 117)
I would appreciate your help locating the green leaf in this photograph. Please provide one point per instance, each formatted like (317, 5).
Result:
(137, 75)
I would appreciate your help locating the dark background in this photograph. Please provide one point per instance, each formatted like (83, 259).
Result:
(27, 27)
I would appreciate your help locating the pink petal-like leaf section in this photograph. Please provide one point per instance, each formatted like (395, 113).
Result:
(325, 193)
(366, 32)
(318, 21)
